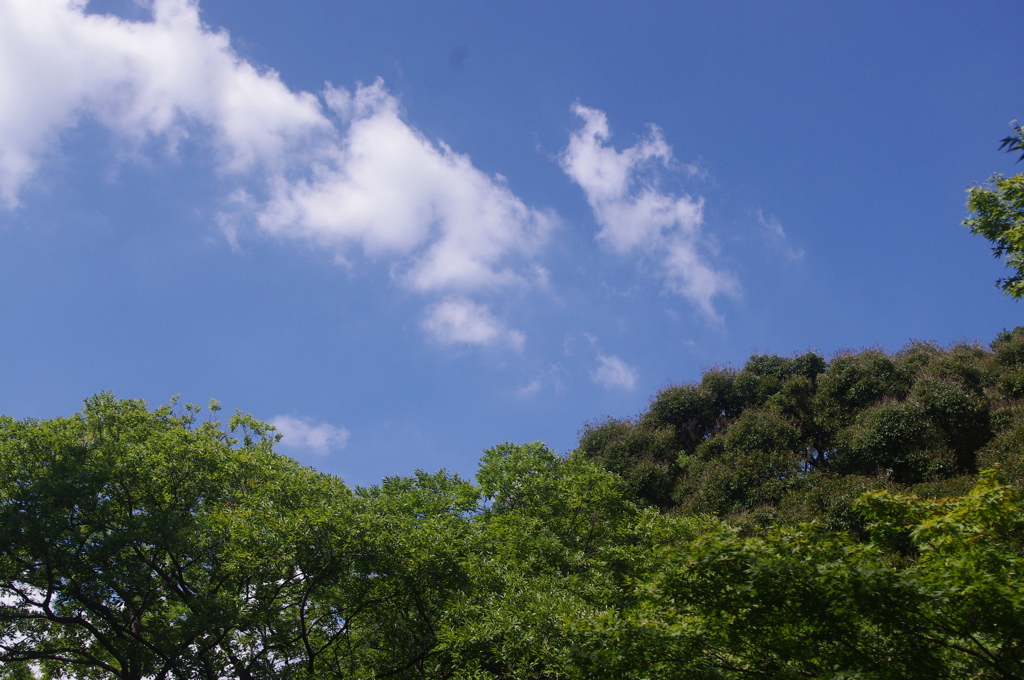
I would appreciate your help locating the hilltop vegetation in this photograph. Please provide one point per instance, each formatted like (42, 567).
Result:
(795, 518)
(785, 440)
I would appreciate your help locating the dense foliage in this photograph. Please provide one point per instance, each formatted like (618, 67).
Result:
(791, 439)
(139, 543)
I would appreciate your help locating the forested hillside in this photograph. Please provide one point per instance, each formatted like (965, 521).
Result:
(790, 439)
(795, 518)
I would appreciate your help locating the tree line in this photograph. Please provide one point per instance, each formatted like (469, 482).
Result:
(795, 518)
(790, 439)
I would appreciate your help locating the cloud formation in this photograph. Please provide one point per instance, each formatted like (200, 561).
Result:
(635, 215)
(169, 77)
(391, 191)
(614, 373)
(300, 433)
(349, 175)
(460, 321)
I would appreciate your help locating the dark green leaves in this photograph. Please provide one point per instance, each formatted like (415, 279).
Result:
(1014, 142)
(777, 440)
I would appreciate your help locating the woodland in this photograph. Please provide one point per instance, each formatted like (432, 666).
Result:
(858, 516)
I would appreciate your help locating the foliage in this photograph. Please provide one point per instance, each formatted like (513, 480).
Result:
(147, 544)
(1014, 142)
(559, 544)
(417, 536)
(799, 602)
(799, 438)
(998, 215)
(152, 544)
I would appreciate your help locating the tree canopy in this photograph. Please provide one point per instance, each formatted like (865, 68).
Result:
(791, 439)
(774, 521)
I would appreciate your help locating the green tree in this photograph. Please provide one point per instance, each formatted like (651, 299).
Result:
(420, 535)
(138, 544)
(998, 215)
(559, 543)
(934, 593)
(790, 439)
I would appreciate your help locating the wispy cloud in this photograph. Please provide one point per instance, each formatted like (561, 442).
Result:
(635, 215)
(340, 170)
(457, 320)
(614, 373)
(551, 378)
(531, 388)
(301, 433)
(775, 236)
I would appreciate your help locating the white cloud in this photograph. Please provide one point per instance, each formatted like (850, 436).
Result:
(168, 77)
(531, 388)
(391, 191)
(461, 321)
(635, 214)
(614, 373)
(300, 433)
(353, 175)
(775, 235)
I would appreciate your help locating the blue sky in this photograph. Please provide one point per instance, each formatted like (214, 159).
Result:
(408, 231)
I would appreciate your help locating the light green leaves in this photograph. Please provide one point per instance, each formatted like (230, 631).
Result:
(998, 215)
(139, 544)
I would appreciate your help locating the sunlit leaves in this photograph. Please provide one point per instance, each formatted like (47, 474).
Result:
(157, 544)
(997, 214)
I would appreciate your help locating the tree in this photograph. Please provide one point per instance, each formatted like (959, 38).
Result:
(419, 534)
(152, 545)
(558, 543)
(138, 544)
(790, 439)
(933, 593)
(998, 215)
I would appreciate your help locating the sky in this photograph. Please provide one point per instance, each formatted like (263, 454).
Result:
(405, 232)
